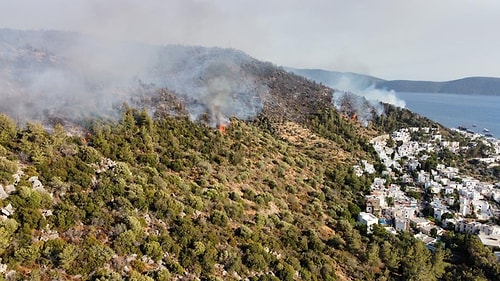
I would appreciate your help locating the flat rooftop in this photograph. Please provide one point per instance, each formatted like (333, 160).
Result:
(490, 240)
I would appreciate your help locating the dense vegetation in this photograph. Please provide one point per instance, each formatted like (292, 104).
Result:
(177, 200)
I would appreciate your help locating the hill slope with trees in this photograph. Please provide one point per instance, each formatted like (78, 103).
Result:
(178, 188)
(165, 198)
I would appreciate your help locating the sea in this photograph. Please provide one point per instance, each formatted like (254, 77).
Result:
(480, 114)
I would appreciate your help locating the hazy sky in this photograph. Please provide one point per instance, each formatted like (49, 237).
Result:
(411, 39)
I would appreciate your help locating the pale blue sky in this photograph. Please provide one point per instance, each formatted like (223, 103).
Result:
(418, 40)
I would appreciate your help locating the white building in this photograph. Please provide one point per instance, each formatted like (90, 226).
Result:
(438, 213)
(482, 209)
(420, 222)
(495, 195)
(404, 212)
(401, 224)
(464, 206)
(367, 219)
(489, 229)
(449, 190)
(368, 168)
(490, 240)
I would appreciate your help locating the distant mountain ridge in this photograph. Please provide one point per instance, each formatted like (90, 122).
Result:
(465, 86)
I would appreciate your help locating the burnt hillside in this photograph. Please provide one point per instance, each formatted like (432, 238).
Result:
(54, 76)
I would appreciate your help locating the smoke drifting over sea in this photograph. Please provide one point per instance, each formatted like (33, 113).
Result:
(68, 76)
(354, 92)
(364, 100)
(367, 91)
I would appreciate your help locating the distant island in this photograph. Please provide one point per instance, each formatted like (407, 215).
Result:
(466, 86)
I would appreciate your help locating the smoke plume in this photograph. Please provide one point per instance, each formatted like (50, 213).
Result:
(362, 99)
(213, 80)
(368, 91)
(68, 76)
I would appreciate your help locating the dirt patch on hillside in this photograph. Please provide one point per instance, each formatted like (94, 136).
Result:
(305, 138)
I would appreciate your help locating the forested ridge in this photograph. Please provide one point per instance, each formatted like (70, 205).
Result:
(167, 199)
(463, 86)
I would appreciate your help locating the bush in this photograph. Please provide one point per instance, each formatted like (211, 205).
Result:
(219, 218)
(7, 169)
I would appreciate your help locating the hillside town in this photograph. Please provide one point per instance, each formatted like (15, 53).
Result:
(419, 193)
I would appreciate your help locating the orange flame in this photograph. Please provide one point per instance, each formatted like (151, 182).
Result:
(222, 128)
(85, 138)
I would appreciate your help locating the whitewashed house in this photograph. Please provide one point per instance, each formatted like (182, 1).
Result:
(367, 219)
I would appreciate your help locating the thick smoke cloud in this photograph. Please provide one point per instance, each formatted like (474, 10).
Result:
(62, 75)
(357, 107)
(364, 101)
(363, 88)
(321, 34)
(69, 76)
(213, 78)
(360, 95)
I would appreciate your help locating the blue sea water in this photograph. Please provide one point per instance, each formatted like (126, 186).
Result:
(451, 110)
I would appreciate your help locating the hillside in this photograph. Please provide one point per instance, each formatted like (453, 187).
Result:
(171, 198)
(193, 164)
(335, 78)
(168, 199)
(464, 86)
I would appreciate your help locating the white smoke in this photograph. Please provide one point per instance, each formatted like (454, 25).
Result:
(74, 76)
(357, 107)
(351, 84)
(362, 103)
(213, 78)
(63, 75)
(355, 94)
(362, 99)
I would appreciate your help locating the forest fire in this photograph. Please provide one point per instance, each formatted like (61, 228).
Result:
(86, 138)
(221, 122)
(222, 128)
